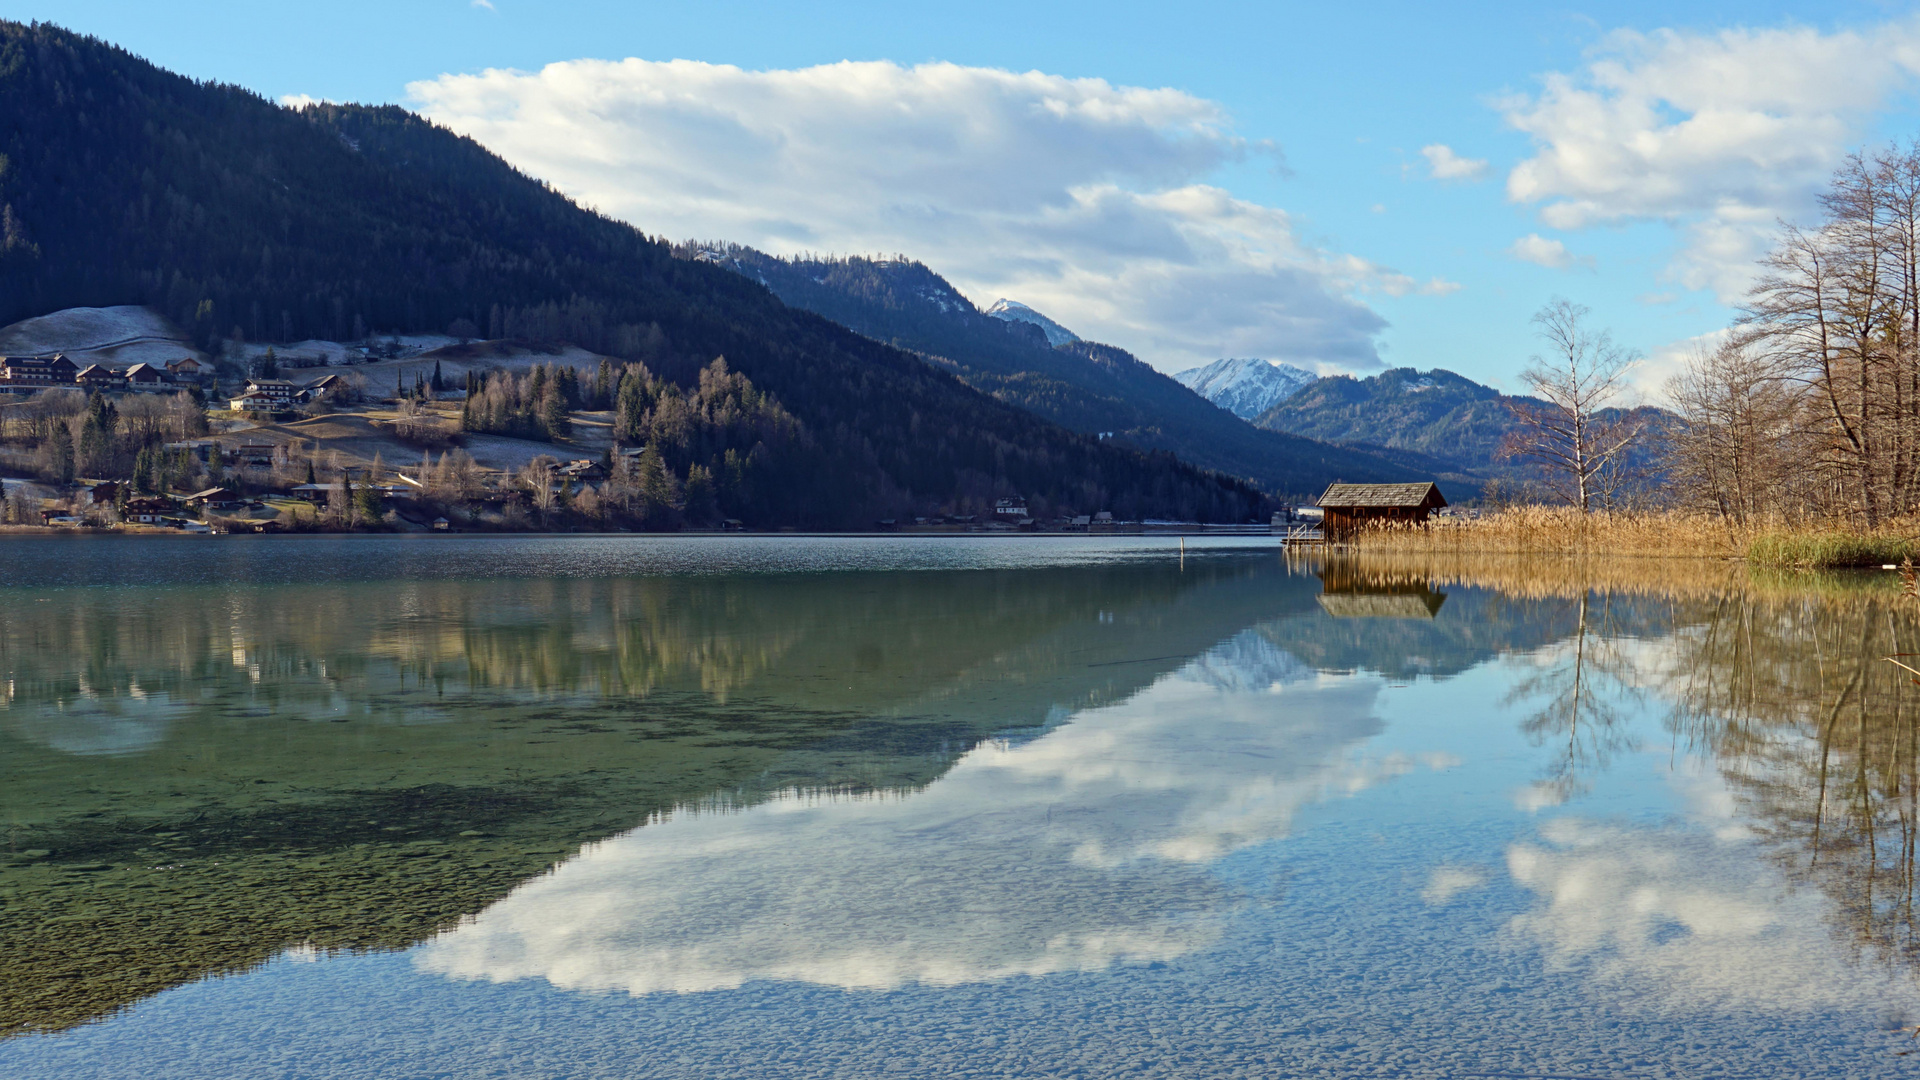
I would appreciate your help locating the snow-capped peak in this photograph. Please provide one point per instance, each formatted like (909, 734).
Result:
(1245, 388)
(1015, 311)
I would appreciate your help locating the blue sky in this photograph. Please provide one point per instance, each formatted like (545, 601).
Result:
(1271, 198)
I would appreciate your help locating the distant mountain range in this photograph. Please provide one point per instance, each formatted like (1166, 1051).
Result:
(1089, 387)
(1245, 388)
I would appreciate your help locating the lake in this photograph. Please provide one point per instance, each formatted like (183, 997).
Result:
(583, 807)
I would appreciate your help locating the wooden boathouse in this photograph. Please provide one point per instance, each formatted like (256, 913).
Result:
(1350, 507)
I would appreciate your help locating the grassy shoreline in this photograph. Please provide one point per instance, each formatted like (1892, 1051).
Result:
(1539, 530)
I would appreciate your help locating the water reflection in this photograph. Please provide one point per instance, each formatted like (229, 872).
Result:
(1088, 845)
(1042, 792)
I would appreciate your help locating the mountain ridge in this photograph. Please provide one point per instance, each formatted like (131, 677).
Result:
(242, 220)
(1086, 386)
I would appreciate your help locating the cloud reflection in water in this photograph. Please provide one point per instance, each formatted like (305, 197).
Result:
(1087, 846)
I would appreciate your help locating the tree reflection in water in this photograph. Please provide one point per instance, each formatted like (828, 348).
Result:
(1816, 735)
(1590, 697)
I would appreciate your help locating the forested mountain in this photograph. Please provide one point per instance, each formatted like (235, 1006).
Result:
(121, 183)
(1434, 412)
(1457, 422)
(1083, 385)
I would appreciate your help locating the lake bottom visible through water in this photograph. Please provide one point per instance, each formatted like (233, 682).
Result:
(632, 807)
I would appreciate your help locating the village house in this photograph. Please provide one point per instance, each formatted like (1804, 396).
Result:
(149, 511)
(255, 402)
(37, 371)
(281, 391)
(145, 378)
(1347, 508)
(324, 386)
(98, 377)
(188, 370)
(580, 471)
(1015, 507)
(215, 498)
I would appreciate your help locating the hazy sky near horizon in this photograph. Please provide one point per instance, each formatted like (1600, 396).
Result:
(1344, 186)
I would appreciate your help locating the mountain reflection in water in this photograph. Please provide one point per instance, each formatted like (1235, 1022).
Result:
(1323, 817)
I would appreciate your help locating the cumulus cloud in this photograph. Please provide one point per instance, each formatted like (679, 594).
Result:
(1090, 845)
(1086, 200)
(300, 101)
(1719, 134)
(1541, 251)
(1444, 164)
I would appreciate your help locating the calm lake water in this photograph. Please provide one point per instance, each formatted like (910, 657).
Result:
(791, 807)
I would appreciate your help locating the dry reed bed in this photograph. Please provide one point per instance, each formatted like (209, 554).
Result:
(1564, 531)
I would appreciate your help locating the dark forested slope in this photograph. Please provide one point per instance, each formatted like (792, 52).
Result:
(1084, 385)
(122, 183)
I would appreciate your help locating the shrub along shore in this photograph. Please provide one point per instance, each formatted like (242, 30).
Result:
(1544, 530)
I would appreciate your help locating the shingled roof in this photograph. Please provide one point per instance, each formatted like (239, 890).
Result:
(1384, 496)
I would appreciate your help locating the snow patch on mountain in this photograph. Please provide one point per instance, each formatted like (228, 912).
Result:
(1015, 311)
(1245, 388)
(111, 335)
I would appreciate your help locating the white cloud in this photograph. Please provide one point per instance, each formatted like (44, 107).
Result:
(1444, 164)
(300, 101)
(1086, 200)
(487, 4)
(1717, 134)
(1090, 845)
(1669, 919)
(1541, 251)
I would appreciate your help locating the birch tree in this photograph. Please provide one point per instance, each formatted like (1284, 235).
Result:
(1577, 431)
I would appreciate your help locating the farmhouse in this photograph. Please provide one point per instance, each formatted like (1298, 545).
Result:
(1350, 507)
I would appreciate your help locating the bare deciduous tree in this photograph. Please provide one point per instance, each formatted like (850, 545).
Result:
(1579, 435)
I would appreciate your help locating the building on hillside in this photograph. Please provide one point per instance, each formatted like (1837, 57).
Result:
(37, 371)
(188, 370)
(282, 393)
(100, 377)
(149, 511)
(146, 378)
(1015, 508)
(215, 498)
(1347, 508)
(581, 471)
(255, 402)
(102, 493)
(324, 386)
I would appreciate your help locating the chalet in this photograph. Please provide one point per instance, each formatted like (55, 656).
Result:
(279, 391)
(1347, 508)
(37, 371)
(148, 379)
(1010, 508)
(441, 524)
(103, 493)
(215, 498)
(255, 402)
(324, 386)
(149, 511)
(97, 377)
(188, 370)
